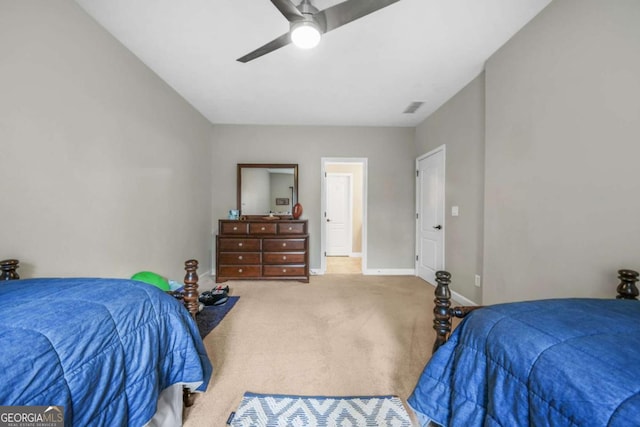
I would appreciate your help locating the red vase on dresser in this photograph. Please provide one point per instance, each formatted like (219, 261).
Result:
(297, 211)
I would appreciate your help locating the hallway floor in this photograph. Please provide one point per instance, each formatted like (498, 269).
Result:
(344, 265)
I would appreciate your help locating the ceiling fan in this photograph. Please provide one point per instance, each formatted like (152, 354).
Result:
(308, 23)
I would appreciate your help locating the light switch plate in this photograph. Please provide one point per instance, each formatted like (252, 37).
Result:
(454, 211)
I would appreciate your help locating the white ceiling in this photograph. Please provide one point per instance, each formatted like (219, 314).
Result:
(362, 74)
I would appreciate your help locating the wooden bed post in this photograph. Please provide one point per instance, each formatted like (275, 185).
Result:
(191, 287)
(441, 314)
(627, 288)
(192, 305)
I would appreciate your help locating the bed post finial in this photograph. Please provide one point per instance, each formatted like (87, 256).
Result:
(191, 287)
(627, 288)
(441, 315)
(8, 269)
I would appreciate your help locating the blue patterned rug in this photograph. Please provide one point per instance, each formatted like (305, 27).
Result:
(275, 410)
(211, 315)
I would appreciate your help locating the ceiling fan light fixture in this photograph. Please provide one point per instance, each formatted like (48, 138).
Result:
(305, 34)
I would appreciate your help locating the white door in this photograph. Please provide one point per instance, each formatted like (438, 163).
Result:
(430, 214)
(338, 215)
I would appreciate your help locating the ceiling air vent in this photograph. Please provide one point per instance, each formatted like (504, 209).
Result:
(413, 107)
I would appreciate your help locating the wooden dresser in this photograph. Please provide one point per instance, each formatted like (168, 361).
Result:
(262, 250)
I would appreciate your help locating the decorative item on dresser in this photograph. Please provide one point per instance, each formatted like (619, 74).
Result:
(297, 211)
(259, 249)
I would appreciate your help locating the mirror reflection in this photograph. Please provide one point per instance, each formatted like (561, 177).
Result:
(267, 189)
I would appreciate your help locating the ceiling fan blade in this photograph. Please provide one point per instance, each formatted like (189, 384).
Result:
(288, 9)
(281, 41)
(348, 11)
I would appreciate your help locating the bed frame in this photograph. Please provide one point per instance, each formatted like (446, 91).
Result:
(190, 296)
(443, 312)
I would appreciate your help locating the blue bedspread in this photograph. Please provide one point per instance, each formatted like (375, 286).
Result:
(571, 362)
(102, 348)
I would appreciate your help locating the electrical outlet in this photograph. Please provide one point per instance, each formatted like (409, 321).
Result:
(478, 281)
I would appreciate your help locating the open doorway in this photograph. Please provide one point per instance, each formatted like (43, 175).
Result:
(343, 216)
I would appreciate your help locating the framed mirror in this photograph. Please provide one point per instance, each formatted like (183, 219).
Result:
(267, 188)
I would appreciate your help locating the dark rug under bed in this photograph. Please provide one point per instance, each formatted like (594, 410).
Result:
(211, 315)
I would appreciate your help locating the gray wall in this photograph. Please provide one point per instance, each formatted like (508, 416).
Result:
(562, 153)
(105, 169)
(459, 125)
(391, 194)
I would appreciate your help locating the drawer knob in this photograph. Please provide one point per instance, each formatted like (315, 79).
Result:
(284, 257)
(240, 244)
(235, 228)
(284, 270)
(284, 245)
(240, 257)
(290, 228)
(239, 270)
(262, 229)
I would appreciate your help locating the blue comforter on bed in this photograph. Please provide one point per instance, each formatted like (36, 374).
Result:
(571, 362)
(102, 348)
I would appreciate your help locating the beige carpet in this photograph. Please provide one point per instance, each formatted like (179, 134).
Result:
(338, 335)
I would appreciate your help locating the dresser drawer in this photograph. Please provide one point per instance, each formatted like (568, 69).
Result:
(284, 270)
(238, 245)
(234, 227)
(291, 228)
(284, 258)
(240, 271)
(283, 245)
(235, 258)
(262, 228)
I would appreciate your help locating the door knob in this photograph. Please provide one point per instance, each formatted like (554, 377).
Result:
(328, 220)
(437, 227)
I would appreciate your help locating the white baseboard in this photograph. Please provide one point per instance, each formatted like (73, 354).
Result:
(373, 272)
(206, 273)
(389, 272)
(459, 298)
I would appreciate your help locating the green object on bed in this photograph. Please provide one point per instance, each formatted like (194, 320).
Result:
(152, 279)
